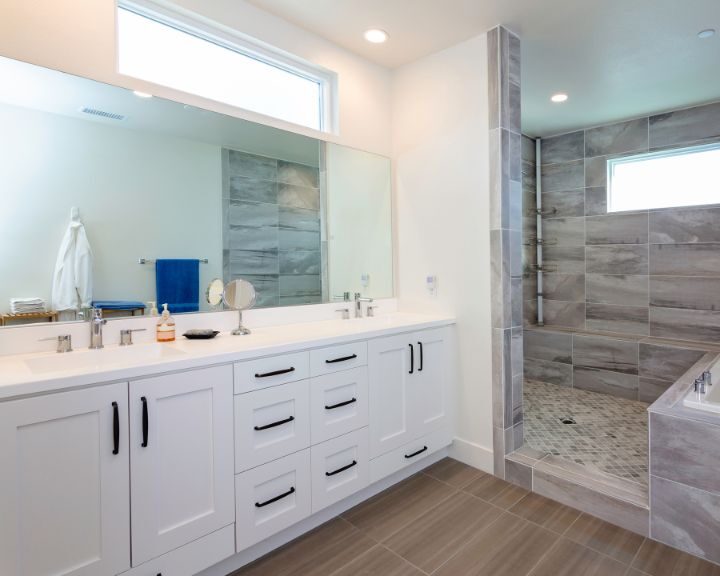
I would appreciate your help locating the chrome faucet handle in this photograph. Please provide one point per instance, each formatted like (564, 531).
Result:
(699, 385)
(370, 311)
(345, 297)
(360, 298)
(64, 342)
(707, 378)
(126, 336)
(345, 313)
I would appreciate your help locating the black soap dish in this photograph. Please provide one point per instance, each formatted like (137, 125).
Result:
(200, 334)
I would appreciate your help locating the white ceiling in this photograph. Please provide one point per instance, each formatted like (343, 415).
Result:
(616, 59)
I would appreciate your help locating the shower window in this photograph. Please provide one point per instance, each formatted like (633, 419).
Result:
(171, 50)
(666, 179)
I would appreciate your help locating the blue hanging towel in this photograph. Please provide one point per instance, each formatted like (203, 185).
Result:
(178, 284)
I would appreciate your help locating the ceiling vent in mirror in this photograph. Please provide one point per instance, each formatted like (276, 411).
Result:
(102, 113)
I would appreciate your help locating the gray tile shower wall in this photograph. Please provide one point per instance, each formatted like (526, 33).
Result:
(645, 273)
(271, 228)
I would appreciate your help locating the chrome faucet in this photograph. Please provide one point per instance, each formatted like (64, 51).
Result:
(358, 304)
(96, 329)
(64, 343)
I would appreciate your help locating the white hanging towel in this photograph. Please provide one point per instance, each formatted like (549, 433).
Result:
(72, 280)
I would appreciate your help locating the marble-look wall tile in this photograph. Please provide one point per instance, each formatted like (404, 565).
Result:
(563, 148)
(563, 204)
(546, 345)
(300, 300)
(616, 138)
(595, 201)
(518, 474)
(501, 377)
(242, 262)
(564, 231)
(651, 389)
(625, 259)
(621, 289)
(550, 372)
(605, 382)
(685, 259)
(292, 196)
(702, 325)
(253, 189)
(528, 149)
(516, 296)
(564, 259)
(596, 172)
(493, 60)
(263, 239)
(666, 362)
(499, 176)
(617, 229)
(564, 287)
(685, 518)
(500, 279)
(253, 215)
(530, 312)
(267, 288)
(300, 262)
(613, 354)
(697, 293)
(295, 285)
(568, 314)
(298, 174)
(685, 226)
(684, 450)
(299, 219)
(621, 319)
(565, 176)
(244, 164)
(689, 125)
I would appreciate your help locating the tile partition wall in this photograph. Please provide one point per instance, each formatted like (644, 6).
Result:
(271, 228)
(505, 241)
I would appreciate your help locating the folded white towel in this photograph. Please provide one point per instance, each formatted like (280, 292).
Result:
(27, 305)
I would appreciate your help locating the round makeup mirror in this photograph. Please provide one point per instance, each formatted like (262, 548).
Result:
(239, 295)
(214, 292)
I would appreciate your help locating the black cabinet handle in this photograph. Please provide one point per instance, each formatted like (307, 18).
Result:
(339, 404)
(412, 359)
(347, 467)
(144, 422)
(283, 495)
(343, 359)
(423, 449)
(420, 345)
(116, 428)
(276, 372)
(278, 423)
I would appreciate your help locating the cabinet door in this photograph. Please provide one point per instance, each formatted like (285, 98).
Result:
(429, 400)
(181, 450)
(389, 364)
(64, 497)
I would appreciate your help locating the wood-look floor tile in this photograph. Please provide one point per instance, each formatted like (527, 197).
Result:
(453, 472)
(493, 489)
(569, 558)
(432, 539)
(511, 547)
(657, 559)
(378, 561)
(548, 513)
(317, 553)
(386, 513)
(604, 537)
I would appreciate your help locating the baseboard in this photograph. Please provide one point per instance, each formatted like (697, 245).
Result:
(472, 454)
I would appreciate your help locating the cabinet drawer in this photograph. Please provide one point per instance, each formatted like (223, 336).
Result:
(339, 468)
(408, 454)
(271, 423)
(191, 558)
(336, 358)
(264, 372)
(338, 403)
(272, 497)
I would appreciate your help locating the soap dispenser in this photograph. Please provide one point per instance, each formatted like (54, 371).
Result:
(153, 308)
(166, 326)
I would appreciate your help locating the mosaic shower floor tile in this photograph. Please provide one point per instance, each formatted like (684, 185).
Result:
(598, 431)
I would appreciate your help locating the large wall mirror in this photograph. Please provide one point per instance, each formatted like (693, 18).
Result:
(169, 197)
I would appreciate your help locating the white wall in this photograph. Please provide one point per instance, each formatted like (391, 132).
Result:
(78, 36)
(440, 150)
(121, 180)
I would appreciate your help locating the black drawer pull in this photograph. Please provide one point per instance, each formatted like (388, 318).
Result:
(116, 428)
(276, 373)
(421, 356)
(416, 453)
(339, 404)
(278, 423)
(283, 495)
(353, 463)
(343, 359)
(144, 422)
(412, 359)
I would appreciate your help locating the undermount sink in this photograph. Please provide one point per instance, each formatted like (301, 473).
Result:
(100, 358)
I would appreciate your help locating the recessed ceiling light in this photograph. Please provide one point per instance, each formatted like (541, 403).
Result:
(142, 94)
(559, 97)
(706, 33)
(376, 36)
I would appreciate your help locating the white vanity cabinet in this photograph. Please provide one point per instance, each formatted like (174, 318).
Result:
(181, 451)
(64, 474)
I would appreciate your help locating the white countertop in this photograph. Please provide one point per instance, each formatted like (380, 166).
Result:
(30, 374)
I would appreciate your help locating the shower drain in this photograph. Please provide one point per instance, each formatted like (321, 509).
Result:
(568, 420)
